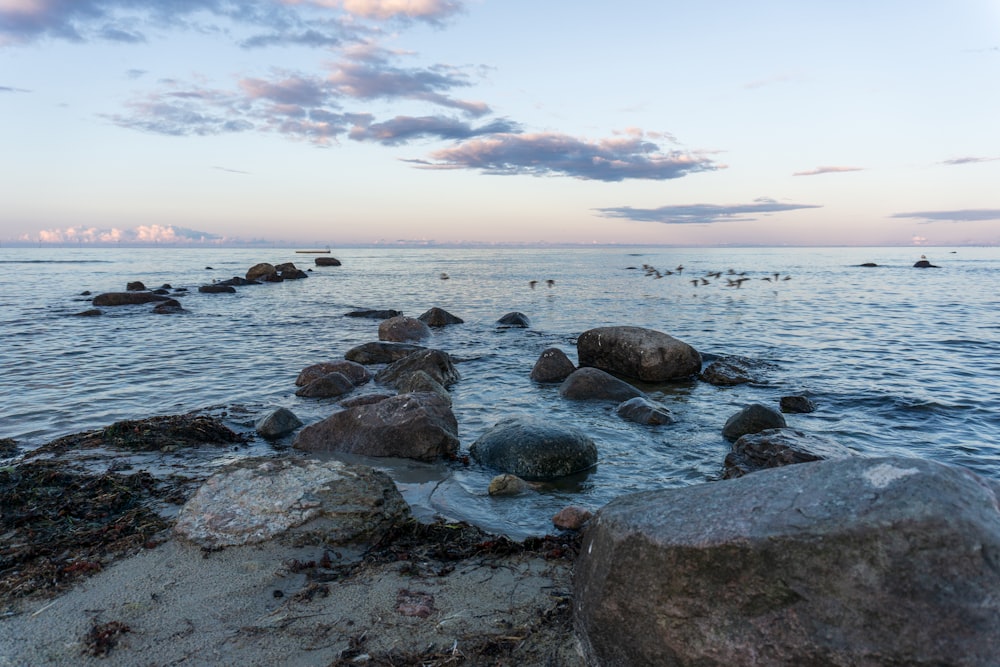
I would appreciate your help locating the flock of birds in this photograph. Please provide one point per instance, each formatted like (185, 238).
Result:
(733, 278)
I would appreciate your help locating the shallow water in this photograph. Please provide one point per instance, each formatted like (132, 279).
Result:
(898, 360)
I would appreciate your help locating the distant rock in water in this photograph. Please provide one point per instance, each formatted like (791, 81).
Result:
(374, 314)
(90, 312)
(236, 281)
(135, 286)
(869, 265)
(217, 288)
(514, 320)
(924, 264)
(326, 386)
(126, 298)
(327, 261)
(354, 371)
(438, 317)
(263, 272)
(169, 307)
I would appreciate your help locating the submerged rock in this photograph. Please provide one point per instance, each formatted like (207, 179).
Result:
(381, 352)
(374, 314)
(778, 447)
(126, 298)
(643, 411)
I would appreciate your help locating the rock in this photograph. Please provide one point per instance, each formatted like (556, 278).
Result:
(752, 419)
(571, 518)
(924, 264)
(778, 447)
(420, 381)
(416, 426)
(90, 312)
(643, 411)
(728, 372)
(169, 307)
(797, 404)
(636, 352)
(85, 292)
(217, 288)
(285, 266)
(257, 500)
(869, 265)
(435, 363)
(594, 384)
(292, 273)
(374, 314)
(552, 366)
(436, 317)
(365, 399)
(402, 329)
(161, 291)
(276, 423)
(263, 272)
(135, 286)
(534, 449)
(126, 298)
(515, 320)
(327, 386)
(848, 562)
(327, 261)
(381, 352)
(236, 281)
(355, 372)
(508, 485)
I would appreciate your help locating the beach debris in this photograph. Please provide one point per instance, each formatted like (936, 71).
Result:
(102, 637)
(414, 603)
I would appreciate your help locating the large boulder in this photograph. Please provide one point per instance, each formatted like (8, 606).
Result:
(381, 352)
(594, 384)
(639, 353)
(552, 366)
(356, 372)
(415, 426)
(435, 363)
(438, 317)
(257, 500)
(849, 562)
(752, 419)
(326, 386)
(126, 298)
(534, 449)
(403, 329)
(263, 272)
(777, 447)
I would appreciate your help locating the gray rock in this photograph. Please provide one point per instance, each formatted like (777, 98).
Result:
(777, 447)
(848, 562)
(169, 307)
(257, 500)
(374, 314)
(752, 419)
(534, 449)
(90, 312)
(420, 381)
(263, 272)
(327, 386)
(236, 281)
(639, 353)
(327, 261)
(402, 329)
(381, 352)
(364, 399)
(354, 371)
(277, 422)
(797, 404)
(293, 274)
(508, 485)
(594, 384)
(643, 411)
(435, 363)
(514, 320)
(217, 288)
(135, 286)
(552, 366)
(415, 426)
(126, 298)
(728, 372)
(437, 317)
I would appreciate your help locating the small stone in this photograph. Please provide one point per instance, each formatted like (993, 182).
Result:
(571, 518)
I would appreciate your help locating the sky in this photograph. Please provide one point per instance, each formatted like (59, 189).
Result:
(720, 122)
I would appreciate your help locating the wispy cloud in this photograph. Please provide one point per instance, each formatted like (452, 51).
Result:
(702, 214)
(827, 170)
(402, 129)
(968, 160)
(961, 215)
(629, 156)
(140, 234)
(231, 171)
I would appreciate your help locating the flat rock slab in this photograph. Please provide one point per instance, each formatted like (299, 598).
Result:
(257, 500)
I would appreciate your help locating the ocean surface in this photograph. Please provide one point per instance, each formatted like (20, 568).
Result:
(899, 360)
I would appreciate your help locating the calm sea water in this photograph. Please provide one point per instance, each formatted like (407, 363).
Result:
(899, 360)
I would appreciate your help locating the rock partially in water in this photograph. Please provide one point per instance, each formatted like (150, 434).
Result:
(354, 371)
(572, 518)
(508, 485)
(534, 449)
(8, 448)
(729, 371)
(402, 329)
(90, 312)
(773, 448)
(797, 404)
(263, 272)
(421, 381)
(641, 410)
(552, 366)
(327, 261)
(374, 314)
(277, 423)
(435, 363)
(169, 307)
(236, 281)
(438, 317)
(635, 352)
(135, 286)
(381, 352)
(258, 500)
(217, 288)
(848, 562)
(594, 384)
(126, 298)
(752, 419)
(514, 320)
(327, 386)
(364, 399)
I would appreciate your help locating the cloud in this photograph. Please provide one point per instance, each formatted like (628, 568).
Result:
(11, 89)
(827, 170)
(968, 160)
(630, 156)
(962, 215)
(702, 214)
(425, 10)
(402, 129)
(231, 171)
(140, 234)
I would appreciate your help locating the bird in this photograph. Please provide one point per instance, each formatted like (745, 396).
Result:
(532, 283)
(445, 276)
(550, 282)
(704, 281)
(787, 278)
(680, 267)
(694, 282)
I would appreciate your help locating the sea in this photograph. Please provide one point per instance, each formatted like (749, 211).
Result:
(899, 361)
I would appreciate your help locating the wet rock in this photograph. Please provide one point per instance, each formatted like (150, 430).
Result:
(327, 261)
(635, 352)
(594, 384)
(277, 423)
(552, 366)
(420, 381)
(90, 312)
(126, 298)
(514, 320)
(161, 290)
(374, 314)
(169, 307)
(381, 352)
(571, 518)
(263, 272)
(643, 411)
(217, 288)
(435, 363)
(236, 281)
(778, 447)
(796, 405)
(869, 265)
(728, 372)
(752, 419)
(402, 329)
(508, 485)
(288, 271)
(534, 449)
(847, 562)
(85, 293)
(924, 264)
(135, 286)
(437, 317)
(355, 372)
(364, 399)
(8, 448)
(416, 426)
(327, 386)
(258, 500)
